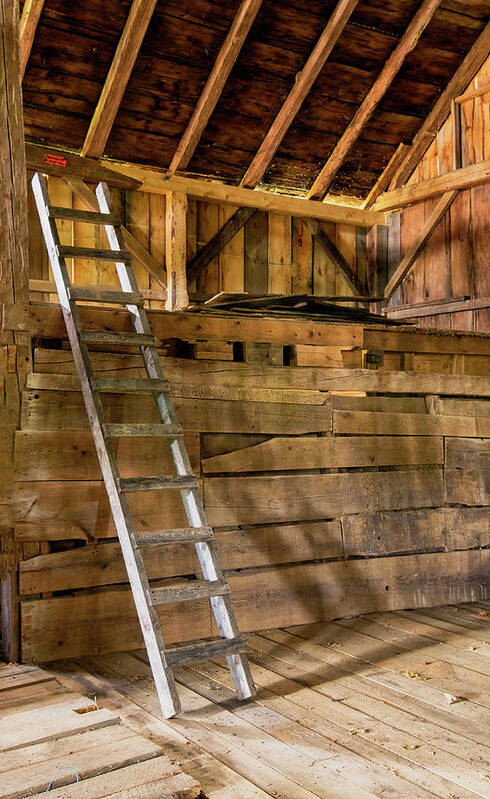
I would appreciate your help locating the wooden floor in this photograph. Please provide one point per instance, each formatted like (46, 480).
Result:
(387, 705)
(54, 739)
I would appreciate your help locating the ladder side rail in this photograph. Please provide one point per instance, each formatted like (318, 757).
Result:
(206, 551)
(150, 625)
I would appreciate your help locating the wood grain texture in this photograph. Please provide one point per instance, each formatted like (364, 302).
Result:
(65, 411)
(209, 374)
(286, 596)
(102, 564)
(408, 424)
(234, 500)
(279, 454)
(420, 242)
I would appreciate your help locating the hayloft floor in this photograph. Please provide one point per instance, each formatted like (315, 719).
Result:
(385, 705)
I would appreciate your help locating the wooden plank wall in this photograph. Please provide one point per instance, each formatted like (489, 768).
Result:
(455, 261)
(327, 500)
(272, 254)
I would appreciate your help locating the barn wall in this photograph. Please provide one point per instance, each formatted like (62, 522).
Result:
(273, 253)
(333, 491)
(455, 262)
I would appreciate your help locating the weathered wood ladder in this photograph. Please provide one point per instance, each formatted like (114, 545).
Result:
(214, 585)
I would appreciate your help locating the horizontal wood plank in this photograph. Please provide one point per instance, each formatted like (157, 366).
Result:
(468, 453)
(391, 532)
(281, 454)
(408, 424)
(216, 390)
(102, 564)
(235, 500)
(403, 340)
(467, 486)
(272, 597)
(178, 371)
(48, 410)
(54, 455)
(47, 321)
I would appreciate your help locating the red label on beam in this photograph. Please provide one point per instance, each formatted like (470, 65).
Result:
(57, 160)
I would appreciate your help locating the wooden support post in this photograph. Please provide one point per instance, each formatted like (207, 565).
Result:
(456, 125)
(14, 289)
(377, 247)
(175, 251)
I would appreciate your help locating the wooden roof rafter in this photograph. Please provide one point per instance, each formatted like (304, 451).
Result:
(305, 79)
(118, 76)
(225, 60)
(29, 20)
(374, 96)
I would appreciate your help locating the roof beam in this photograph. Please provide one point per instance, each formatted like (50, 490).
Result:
(31, 13)
(408, 261)
(466, 178)
(387, 175)
(206, 254)
(118, 76)
(302, 86)
(158, 182)
(376, 93)
(441, 110)
(215, 84)
(62, 164)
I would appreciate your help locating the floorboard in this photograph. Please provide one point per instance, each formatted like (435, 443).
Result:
(386, 705)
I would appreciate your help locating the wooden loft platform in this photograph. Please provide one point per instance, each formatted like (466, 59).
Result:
(385, 704)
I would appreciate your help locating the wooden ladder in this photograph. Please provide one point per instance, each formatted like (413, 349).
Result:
(213, 585)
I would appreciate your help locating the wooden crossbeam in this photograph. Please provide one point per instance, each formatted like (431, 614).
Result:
(61, 163)
(436, 307)
(302, 86)
(465, 178)
(336, 257)
(409, 260)
(117, 79)
(214, 86)
(387, 175)
(206, 254)
(29, 20)
(157, 182)
(373, 97)
(458, 83)
(135, 248)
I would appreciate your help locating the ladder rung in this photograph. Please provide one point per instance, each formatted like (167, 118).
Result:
(202, 589)
(128, 430)
(95, 294)
(93, 253)
(184, 535)
(194, 653)
(121, 339)
(94, 217)
(178, 482)
(130, 385)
